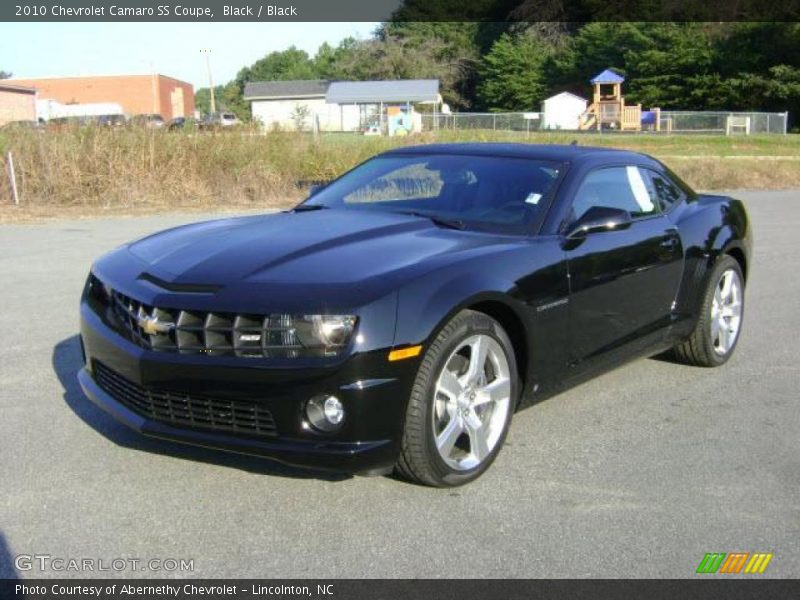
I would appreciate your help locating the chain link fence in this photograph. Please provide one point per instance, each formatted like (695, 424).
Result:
(728, 123)
(672, 121)
(508, 121)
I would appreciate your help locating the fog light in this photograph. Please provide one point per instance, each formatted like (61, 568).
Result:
(325, 413)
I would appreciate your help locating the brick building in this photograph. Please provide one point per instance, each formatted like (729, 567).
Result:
(17, 103)
(137, 94)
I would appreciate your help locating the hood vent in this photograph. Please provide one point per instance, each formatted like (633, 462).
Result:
(191, 288)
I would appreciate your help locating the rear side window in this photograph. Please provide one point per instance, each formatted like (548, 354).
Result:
(624, 188)
(664, 190)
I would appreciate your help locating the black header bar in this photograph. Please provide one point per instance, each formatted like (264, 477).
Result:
(576, 11)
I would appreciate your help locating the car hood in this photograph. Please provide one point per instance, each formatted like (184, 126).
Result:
(327, 247)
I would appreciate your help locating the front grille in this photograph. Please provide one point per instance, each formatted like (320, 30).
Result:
(178, 408)
(214, 333)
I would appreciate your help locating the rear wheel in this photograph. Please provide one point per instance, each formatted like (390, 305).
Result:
(717, 331)
(461, 404)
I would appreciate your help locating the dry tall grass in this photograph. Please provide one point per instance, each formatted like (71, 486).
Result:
(134, 170)
(129, 168)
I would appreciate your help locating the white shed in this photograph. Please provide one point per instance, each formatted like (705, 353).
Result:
(563, 111)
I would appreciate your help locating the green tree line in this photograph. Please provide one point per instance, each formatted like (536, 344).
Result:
(506, 66)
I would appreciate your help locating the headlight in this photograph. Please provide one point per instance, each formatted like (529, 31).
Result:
(330, 331)
(311, 335)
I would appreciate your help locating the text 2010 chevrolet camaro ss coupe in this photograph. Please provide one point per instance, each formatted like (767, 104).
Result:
(399, 316)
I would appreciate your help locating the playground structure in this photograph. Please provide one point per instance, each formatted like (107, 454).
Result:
(609, 111)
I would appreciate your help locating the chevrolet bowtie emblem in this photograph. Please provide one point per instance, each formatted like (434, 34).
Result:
(152, 326)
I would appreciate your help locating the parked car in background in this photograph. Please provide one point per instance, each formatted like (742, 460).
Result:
(152, 121)
(228, 119)
(222, 119)
(402, 314)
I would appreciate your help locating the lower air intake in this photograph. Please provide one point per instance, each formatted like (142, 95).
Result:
(178, 408)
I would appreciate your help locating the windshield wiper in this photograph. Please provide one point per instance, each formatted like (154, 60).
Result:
(441, 221)
(309, 207)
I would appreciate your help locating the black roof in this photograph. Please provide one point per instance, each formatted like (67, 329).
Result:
(557, 152)
(16, 88)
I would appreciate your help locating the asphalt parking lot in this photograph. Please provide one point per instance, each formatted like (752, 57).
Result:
(636, 474)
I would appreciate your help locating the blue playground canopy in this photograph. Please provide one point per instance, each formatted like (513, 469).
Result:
(648, 117)
(607, 76)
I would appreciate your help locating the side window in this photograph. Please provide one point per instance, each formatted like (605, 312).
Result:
(615, 187)
(665, 191)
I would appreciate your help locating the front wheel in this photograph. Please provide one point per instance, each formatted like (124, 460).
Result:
(717, 331)
(461, 403)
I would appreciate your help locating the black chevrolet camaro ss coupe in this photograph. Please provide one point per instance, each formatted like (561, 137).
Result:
(399, 317)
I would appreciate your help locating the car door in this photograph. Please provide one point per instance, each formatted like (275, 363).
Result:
(622, 282)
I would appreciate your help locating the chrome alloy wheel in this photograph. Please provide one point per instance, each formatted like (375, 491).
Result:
(471, 404)
(726, 312)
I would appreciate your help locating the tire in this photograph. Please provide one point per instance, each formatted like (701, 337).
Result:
(467, 409)
(705, 347)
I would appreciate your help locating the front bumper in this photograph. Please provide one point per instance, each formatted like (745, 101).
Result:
(377, 456)
(373, 391)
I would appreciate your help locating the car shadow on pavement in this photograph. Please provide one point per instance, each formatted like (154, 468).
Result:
(667, 356)
(67, 361)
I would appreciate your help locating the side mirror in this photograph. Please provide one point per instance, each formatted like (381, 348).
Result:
(599, 218)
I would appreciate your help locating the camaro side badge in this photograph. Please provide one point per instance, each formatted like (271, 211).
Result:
(553, 304)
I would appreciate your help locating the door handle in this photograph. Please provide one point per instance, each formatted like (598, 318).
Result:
(669, 242)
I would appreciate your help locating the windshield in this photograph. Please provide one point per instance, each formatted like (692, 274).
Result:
(482, 192)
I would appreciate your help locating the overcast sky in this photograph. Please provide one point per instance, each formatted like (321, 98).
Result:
(63, 49)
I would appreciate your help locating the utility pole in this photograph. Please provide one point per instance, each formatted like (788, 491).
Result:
(153, 87)
(154, 102)
(207, 52)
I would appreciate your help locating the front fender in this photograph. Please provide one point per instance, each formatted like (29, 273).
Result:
(529, 282)
(424, 309)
